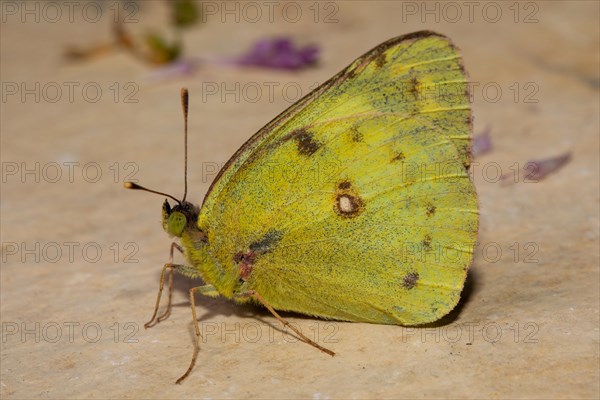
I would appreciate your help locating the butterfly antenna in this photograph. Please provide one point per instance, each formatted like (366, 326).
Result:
(135, 186)
(185, 105)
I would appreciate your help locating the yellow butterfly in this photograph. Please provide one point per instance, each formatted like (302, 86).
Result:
(354, 204)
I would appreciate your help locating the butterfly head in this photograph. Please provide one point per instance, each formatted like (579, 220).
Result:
(176, 219)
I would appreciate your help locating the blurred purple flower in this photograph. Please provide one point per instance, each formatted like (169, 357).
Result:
(536, 170)
(482, 143)
(278, 53)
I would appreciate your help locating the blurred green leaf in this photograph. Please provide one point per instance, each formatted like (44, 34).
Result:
(162, 52)
(185, 13)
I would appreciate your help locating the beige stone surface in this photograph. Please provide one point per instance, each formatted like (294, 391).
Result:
(72, 323)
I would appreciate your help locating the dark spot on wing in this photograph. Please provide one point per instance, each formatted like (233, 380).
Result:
(430, 209)
(348, 206)
(238, 257)
(344, 185)
(357, 136)
(427, 242)
(410, 280)
(305, 142)
(347, 201)
(245, 262)
(245, 259)
(267, 242)
(307, 145)
(413, 90)
(399, 157)
(380, 60)
(413, 87)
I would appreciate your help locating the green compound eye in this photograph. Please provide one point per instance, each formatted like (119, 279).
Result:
(176, 223)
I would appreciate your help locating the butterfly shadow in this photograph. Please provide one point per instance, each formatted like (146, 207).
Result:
(220, 306)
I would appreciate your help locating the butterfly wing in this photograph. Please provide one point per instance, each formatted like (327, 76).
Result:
(356, 203)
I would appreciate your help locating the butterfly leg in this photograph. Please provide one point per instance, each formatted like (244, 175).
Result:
(170, 267)
(167, 312)
(206, 290)
(261, 300)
